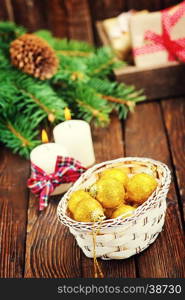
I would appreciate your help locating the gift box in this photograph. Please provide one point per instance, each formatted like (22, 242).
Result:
(117, 30)
(161, 75)
(158, 37)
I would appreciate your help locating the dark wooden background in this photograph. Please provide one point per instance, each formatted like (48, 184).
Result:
(71, 18)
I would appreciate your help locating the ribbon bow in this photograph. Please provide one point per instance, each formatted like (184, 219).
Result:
(175, 48)
(42, 184)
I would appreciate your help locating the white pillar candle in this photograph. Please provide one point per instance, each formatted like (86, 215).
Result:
(45, 156)
(75, 135)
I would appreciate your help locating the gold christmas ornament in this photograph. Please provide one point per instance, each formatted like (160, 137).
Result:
(108, 212)
(109, 192)
(135, 205)
(113, 238)
(116, 173)
(75, 198)
(125, 210)
(140, 187)
(88, 210)
(34, 56)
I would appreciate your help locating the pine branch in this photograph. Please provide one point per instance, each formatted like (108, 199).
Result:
(32, 96)
(25, 142)
(128, 103)
(40, 97)
(18, 133)
(81, 48)
(74, 53)
(92, 107)
(95, 113)
(98, 64)
(4, 59)
(81, 83)
(102, 62)
(122, 97)
(71, 69)
(50, 113)
(9, 32)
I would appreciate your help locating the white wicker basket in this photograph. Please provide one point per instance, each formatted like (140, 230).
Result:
(121, 238)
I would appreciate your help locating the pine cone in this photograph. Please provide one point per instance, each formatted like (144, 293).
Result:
(34, 56)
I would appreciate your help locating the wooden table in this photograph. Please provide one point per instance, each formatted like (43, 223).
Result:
(34, 244)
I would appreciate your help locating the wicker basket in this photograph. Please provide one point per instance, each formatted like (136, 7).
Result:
(121, 238)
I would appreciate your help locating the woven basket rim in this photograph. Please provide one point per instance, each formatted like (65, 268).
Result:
(119, 221)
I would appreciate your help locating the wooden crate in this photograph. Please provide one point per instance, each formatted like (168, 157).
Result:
(163, 81)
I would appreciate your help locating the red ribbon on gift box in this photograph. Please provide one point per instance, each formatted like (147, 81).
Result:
(42, 184)
(175, 48)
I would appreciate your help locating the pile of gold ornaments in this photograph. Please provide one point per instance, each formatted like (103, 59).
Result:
(115, 193)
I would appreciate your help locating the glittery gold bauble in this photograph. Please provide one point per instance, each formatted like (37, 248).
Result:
(88, 210)
(140, 187)
(75, 198)
(125, 210)
(108, 212)
(135, 205)
(116, 173)
(109, 191)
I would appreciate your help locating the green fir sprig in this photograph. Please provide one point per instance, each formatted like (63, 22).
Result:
(9, 32)
(17, 133)
(81, 83)
(123, 98)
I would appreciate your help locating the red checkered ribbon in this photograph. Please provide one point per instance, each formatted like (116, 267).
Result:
(175, 48)
(67, 170)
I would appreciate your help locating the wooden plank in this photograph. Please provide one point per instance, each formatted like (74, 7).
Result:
(106, 8)
(57, 18)
(79, 20)
(108, 143)
(6, 11)
(51, 251)
(3, 11)
(174, 115)
(151, 5)
(145, 136)
(158, 82)
(29, 13)
(168, 3)
(13, 216)
(70, 19)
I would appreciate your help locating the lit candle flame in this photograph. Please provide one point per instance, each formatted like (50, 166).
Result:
(44, 136)
(67, 113)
